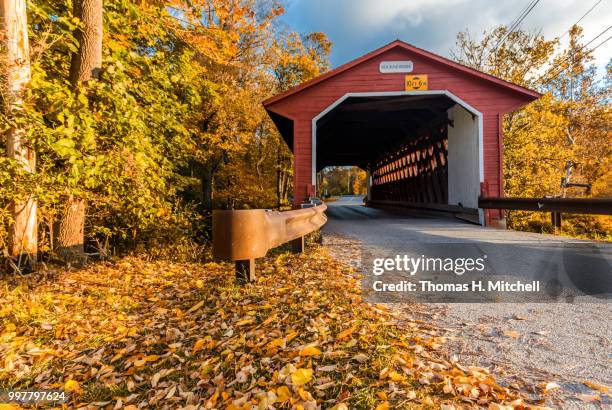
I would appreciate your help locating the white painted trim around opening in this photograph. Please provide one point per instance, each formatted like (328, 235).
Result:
(446, 93)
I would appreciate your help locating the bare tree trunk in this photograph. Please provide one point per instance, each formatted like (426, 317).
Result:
(278, 184)
(16, 67)
(207, 188)
(85, 64)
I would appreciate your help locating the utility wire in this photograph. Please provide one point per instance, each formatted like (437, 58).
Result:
(512, 25)
(523, 10)
(580, 19)
(600, 44)
(516, 22)
(565, 60)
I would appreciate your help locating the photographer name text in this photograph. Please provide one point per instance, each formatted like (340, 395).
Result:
(473, 286)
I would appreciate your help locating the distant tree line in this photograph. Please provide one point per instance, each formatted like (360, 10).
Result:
(336, 181)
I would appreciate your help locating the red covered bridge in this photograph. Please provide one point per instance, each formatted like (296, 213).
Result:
(427, 130)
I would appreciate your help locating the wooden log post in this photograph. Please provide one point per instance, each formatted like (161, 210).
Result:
(16, 72)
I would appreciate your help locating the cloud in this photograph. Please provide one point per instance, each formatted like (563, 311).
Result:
(358, 26)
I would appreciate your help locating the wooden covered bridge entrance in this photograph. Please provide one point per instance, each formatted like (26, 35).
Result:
(427, 130)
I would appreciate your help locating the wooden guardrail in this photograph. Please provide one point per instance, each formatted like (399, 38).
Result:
(556, 206)
(245, 235)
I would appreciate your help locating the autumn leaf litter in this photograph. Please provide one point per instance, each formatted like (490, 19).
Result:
(144, 334)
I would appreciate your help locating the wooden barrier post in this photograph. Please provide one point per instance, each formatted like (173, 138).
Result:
(555, 219)
(297, 245)
(245, 270)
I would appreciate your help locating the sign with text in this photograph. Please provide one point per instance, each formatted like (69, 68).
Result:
(395, 67)
(416, 82)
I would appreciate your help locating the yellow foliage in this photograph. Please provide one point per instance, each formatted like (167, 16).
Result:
(224, 333)
(301, 376)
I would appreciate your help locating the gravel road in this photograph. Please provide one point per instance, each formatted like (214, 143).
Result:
(525, 344)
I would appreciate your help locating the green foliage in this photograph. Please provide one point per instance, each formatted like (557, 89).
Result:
(177, 95)
(117, 142)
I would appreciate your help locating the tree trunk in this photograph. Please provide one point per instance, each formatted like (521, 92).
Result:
(208, 179)
(284, 187)
(258, 165)
(85, 64)
(279, 187)
(70, 233)
(23, 232)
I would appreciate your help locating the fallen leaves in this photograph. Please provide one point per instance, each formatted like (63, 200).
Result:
(72, 386)
(310, 351)
(199, 344)
(360, 357)
(588, 398)
(550, 386)
(383, 406)
(137, 334)
(301, 376)
(196, 307)
(283, 393)
(511, 333)
(346, 333)
(596, 386)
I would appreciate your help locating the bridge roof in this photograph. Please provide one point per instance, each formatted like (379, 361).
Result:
(525, 92)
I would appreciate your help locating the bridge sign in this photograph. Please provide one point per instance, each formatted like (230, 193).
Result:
(416, 82)
(395, 67)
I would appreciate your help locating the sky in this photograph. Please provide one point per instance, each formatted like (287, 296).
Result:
(356, 27)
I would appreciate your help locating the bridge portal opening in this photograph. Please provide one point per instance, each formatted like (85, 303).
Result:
(419, 149)
(436, 142)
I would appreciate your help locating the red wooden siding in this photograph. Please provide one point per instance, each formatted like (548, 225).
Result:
(492, 99)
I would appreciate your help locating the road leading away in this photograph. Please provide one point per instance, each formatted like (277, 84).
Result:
(567, 343)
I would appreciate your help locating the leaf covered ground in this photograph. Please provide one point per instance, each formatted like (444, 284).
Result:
(140, 334)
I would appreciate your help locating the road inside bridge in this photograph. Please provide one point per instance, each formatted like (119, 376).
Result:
(566, 343)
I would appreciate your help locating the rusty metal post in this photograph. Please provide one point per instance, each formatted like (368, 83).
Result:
(245, 270)
(297, 245)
